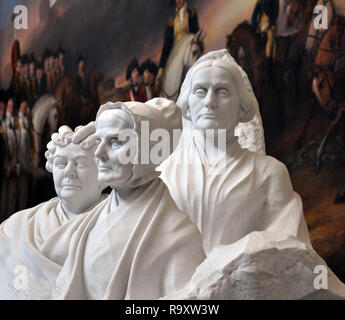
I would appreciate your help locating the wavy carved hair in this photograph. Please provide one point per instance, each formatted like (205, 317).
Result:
(62, 138)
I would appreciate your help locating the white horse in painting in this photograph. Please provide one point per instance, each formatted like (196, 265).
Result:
(45, 111)
(182, 57)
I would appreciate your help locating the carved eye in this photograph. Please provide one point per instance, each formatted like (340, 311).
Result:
(98, 141)
(321, 84)
(60, 164)
(201, 92)
(81, 163)
(223, 92)
(115, 142)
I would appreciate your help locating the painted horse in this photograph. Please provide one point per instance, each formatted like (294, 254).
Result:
(328, 83)
(181, 58)
(329, 80)
(44, 117)
(248, 49)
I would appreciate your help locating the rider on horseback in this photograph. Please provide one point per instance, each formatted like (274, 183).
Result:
(184, 21)
(264, 20)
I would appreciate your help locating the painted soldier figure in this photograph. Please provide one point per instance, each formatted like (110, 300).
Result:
(47, 75)
(80, 81)
(264, 20)
(13, 167)
(61, 54)
(184, 21)
(41, 80)
(135, 91)
(26, 90)
(16, 81)
(24, 157)
(148, 71)
(3, 157)
(32, 78)
(52, 70)
(57, 68)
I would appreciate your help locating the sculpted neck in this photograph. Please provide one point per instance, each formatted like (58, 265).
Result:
(217, 138)
(121, 194)
(124, 194)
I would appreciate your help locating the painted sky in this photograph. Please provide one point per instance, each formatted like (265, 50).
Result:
(109, 33)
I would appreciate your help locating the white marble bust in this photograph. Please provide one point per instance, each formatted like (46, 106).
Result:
(249, 191)
(248, 129)
(36, 240)
(74, 172)
(251, 220)
(136, 244)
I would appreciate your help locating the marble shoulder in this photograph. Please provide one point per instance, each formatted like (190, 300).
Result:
(176, 217)
(17, 216)
(271, 167)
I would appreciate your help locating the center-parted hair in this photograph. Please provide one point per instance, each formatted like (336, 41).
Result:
(222, 59)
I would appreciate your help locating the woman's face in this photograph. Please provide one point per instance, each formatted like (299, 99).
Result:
(112, 171)
(75, 175)
(213, 100)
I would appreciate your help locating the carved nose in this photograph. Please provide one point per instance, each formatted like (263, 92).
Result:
(100, 152)
(210, 99)
(70, 171)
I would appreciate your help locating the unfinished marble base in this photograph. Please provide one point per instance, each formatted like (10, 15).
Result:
(262, 265)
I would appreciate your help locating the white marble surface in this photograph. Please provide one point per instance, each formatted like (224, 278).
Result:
(263, 266)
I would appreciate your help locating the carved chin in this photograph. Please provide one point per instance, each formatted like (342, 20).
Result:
(207, 122)
(70, 191)
(106, 177)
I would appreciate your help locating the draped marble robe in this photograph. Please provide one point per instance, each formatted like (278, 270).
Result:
(142, 248)
(253, 192)
(34, 242)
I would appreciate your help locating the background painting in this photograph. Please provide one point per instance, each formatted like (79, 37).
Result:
(109, 33)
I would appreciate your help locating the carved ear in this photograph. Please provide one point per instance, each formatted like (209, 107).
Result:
(187, 114)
